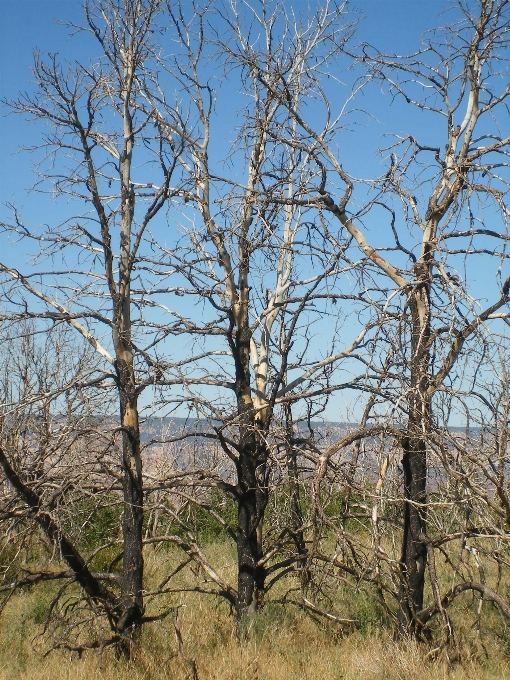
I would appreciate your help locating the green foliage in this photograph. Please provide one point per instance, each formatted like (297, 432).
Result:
(207, 528)
(333, 507)
(38, 609)
(368, 611)
(332, 503)
(102, 525)
(108, 559)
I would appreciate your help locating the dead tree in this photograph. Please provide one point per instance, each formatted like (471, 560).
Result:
(262, 235)
(444, 190)
(460, 66)
(255, 252)
(130, 135)
(98, 134)
(51, 455)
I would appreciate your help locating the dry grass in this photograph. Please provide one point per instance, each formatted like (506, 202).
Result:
(282, 644)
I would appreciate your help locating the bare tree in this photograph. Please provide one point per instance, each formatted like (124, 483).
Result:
(462, 180)
(138, 109)
(258, 252)
(218, 316)
(99, 142)
(51, 455)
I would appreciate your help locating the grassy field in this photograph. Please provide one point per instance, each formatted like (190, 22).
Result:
(282, 642)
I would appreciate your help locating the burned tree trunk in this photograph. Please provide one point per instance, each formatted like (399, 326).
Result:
(252, 502)
(414, 461)
(131, 602)
(414, 553)
(251, 470)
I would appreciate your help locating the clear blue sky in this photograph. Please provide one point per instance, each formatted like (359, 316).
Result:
(26, 25)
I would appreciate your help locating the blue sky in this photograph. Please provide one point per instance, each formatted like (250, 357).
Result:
(25, 25)
(28, 25)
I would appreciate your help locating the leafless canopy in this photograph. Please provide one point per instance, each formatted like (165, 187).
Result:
(249, 282)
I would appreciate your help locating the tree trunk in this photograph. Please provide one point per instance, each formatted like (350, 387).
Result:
(131, 602)
(252, 502)
(251, 481)
(251, 505)
(414, 461)
(414, 552)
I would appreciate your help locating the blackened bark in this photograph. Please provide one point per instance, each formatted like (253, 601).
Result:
(251, 506)
(251, 481)
(414, 550)
(131, 601)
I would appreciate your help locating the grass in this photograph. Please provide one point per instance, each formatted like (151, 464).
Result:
(282, 642)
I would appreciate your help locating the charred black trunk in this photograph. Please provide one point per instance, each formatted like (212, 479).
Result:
(131, 602)
(251, 506)
(251, 482)
(252, 502)
(414, 551)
